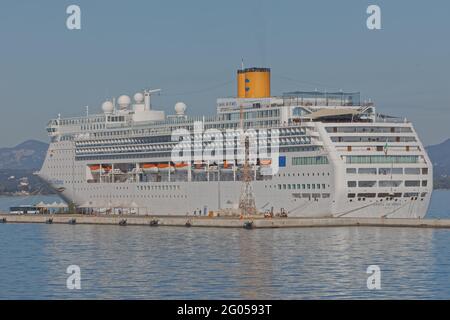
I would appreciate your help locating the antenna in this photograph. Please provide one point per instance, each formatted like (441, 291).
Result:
(87, 111)
(242, 64)
(147, 95)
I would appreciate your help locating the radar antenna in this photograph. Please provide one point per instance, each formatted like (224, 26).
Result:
(147, 95)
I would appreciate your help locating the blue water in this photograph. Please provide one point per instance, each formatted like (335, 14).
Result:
(203, 263)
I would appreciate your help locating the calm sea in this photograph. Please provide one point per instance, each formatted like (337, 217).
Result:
(202, 263)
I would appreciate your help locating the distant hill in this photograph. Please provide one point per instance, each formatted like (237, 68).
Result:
(19, 163)
(28, 155)
(440, 156)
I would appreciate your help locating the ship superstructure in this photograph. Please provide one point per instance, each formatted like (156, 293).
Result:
(335, 156)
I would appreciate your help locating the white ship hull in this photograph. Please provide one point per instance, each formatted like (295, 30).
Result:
(291, 189)
(204, 197)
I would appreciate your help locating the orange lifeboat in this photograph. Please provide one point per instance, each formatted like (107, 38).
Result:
(95, 168)
(165, 167)
(182, 166)
(227, 167)
(265, 162)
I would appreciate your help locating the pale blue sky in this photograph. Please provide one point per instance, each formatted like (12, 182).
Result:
(194, 47)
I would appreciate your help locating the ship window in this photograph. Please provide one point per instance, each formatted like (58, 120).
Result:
(367, 170)
(387, 171)
(351, 184)
(382, 159)
(367, 195)
(383, 195)
(410, 194)
(412, 170)
(309, 160)
(424, 170)
(412, 183)
(366, 184)
(351, 170)
(389, 183)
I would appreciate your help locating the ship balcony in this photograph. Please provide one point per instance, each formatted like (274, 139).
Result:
(290, 131)
(385, 124)
(371, 134)
(294, 141)
(370, 142)
(364, 153)
(52, 130)
(392, 149)
(313, 133)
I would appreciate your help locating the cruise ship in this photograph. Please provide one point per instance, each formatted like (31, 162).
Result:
(315, 154)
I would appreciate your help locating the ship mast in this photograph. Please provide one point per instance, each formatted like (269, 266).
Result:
(247, 205)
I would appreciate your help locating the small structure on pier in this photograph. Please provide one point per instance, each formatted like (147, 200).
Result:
(51, 208)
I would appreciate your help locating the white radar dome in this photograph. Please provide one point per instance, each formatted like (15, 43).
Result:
(180, 108)
(123, 101)
(138, 97)
(107, 107)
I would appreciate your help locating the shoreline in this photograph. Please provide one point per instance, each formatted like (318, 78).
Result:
(225, 222)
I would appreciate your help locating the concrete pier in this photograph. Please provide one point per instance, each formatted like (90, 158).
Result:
(224, 222)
